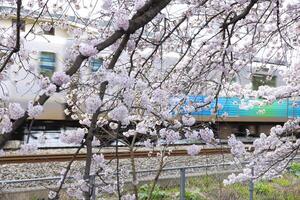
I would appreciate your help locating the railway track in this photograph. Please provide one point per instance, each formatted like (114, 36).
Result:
(107, 155)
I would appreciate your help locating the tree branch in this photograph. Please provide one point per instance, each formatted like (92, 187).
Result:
(17, 45)
(138, 21)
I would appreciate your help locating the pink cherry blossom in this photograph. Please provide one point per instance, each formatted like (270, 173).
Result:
(193, 150)
(60, 78)
(15, 111)
(92, 103)
(73, 136)
(34, 110)
(87, 49)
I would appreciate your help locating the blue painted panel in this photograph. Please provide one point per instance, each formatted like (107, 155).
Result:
(231, 106)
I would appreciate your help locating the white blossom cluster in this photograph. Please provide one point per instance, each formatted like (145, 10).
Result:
(92, 103)
(121, 20)
(237, 147)
(60, 78)
(121, 114)
(15, 111)
(242, 177)
(264, 142)
(87, 49)
(28, 148)
(5, 124)
(271, 154)
(138, 4)
(85, 121)
(47, 87)
(177, 54)
(148, 144)
(99, 161)
(34, 110)
(146, 126)
(106, 5)
(188, 120)
(192, 135)
(193, 150)
(169, 135)
(207, 135)
(73, 136)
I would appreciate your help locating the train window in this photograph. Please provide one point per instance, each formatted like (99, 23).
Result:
(239, 130)
(262, 79)
(51, 31)
(22, 27)
(47, 63)
(95, 64)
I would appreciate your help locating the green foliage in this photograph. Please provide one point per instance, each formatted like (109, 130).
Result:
(203, 183)
(242, 189)
(157, 193)
(263, 188)
(211, 187)
(208, 181)
(191, 195)
(295, 169)
(282, 182)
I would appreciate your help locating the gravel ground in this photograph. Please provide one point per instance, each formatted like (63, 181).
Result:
(53, 169)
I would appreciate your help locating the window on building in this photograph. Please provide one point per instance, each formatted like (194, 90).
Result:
(22, 27)
(50, 32)
(95, 64)
(47, 63)
(261, 79)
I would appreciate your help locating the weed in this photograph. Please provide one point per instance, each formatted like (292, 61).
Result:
(282, 182)
(157, 193)
(263, 188)
(192, 195)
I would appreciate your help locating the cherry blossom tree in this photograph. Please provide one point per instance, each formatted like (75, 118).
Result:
(157, 53)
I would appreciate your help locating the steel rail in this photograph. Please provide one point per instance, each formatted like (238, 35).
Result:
(38, 158)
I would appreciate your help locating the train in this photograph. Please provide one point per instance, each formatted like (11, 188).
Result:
(50, 51)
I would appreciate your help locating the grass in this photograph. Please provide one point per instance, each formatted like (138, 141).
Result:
(212, 188)
(285, 188)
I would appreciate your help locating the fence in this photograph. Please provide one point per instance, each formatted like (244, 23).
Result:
(181, 170)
